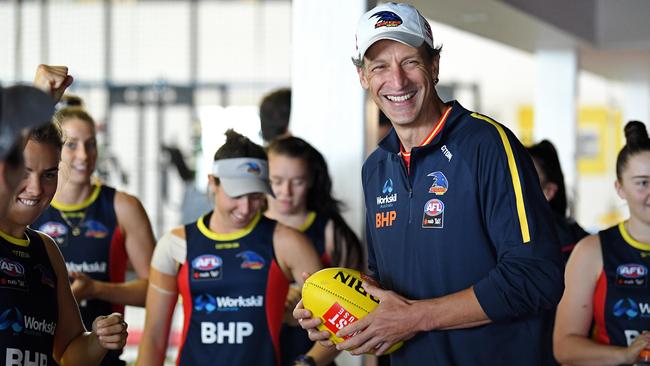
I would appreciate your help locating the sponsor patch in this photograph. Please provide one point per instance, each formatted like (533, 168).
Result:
(626, 307)
(386, 19)
(54, 229)
(95, 229)
(337, 317)
(446, 152)
(208, 303)
(221, 246)
(631, 275)
(385, 219)
(207, 267)
(434, 214)
(388, 198)
(12, 319)
(12, 275)
(251, 260)
(440, 183)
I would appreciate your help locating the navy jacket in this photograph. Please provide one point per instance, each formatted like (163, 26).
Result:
(469, 212)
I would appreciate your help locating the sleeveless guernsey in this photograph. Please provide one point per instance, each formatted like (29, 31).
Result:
(27, 282)
(622, 296)
(233, 295)
(91, 242)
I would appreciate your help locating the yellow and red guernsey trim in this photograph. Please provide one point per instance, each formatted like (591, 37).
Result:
(434, 132)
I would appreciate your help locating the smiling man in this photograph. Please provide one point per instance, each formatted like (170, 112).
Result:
(459, 233)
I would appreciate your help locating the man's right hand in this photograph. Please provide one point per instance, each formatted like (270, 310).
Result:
(53, 80)
(310, 324)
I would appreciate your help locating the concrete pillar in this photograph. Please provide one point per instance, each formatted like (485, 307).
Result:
(327, 100)
(556, 105)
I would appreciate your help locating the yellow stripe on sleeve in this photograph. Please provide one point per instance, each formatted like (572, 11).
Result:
(514, 175)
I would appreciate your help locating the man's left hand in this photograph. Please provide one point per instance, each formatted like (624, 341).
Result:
(395, 319)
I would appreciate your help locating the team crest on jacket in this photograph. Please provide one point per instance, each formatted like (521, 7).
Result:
(434, 214)
(440, 183)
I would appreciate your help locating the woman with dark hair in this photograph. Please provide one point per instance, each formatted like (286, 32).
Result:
(40, 323)
(98, 228)
(551, 179)
(303, 200)
(603, 316)
(232, 269)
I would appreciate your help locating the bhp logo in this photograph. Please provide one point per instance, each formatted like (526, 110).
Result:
(385, 219)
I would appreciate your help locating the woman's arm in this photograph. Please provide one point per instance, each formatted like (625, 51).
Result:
(139, 242)
(571, 343)
(73, 345)
(296, 255)
(162, 296)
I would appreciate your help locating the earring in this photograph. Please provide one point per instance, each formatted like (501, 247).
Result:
(435, 81)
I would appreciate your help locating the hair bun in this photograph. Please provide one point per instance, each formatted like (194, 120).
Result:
(635, 134)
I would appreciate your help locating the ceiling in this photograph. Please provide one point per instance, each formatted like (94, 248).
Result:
(612, 37)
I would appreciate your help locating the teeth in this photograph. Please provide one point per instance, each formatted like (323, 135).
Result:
(400, 98)
(27, 202)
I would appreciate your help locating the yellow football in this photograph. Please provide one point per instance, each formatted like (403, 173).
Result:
(336, 296)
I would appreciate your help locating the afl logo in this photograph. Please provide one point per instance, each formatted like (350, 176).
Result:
(54, 229)
(434, 207)
(11, 268)
(207, 262)
(631, 270)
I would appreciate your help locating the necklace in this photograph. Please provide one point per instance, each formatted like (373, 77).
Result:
(80, 215)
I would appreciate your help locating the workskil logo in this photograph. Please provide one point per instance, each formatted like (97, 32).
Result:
(631, 309)
(12, 318)
(388, 197)
(209, 303)
(18, 322)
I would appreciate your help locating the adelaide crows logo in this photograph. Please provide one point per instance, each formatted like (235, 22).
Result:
(386, 19)
(253, 168)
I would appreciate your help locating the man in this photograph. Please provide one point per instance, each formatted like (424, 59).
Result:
(23, 108)
(275, 111)
(459, 234)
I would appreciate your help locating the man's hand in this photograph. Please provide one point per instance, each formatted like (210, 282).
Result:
(304, 318)
(395, 319)
(53, 80)
(83, 287)
(111, 331)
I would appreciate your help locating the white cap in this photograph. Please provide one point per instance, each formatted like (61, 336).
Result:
(398, 22)
(240, 176)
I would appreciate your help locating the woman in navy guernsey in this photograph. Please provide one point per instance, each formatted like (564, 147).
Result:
(605, 310)
(40, 322)
(303, 200)
(97, 228)
(232, 269)
(551, 179)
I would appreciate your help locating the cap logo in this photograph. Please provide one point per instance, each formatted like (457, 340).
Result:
(386, 19)
(253, 168)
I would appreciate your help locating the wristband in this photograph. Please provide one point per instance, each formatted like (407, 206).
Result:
(304, 360)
